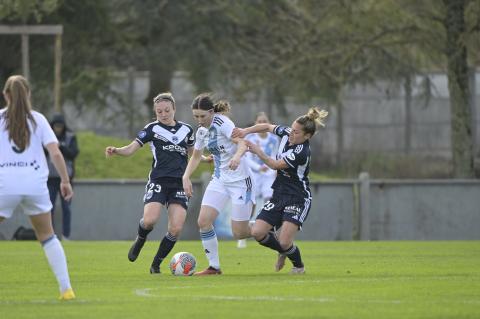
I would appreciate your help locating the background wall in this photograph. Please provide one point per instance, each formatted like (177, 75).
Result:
(346, 210)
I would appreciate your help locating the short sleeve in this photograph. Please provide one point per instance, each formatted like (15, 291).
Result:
(226, 128)
(46, 132)
(201, 138)
(297, 157)
(281, 130)
(191, 138)
(143, 136)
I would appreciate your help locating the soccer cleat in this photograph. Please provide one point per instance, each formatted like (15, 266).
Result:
(297, 270)
(135, 249)
(67, 295)
(242, 243)
(154, 270)
(209, 271)
(280, 262)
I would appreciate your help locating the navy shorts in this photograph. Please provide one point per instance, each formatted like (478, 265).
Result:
(283, 207)
(165, 195)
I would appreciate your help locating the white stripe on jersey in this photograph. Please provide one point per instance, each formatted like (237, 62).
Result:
(174, 138)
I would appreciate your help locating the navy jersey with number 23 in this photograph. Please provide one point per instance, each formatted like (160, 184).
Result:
(169, 149)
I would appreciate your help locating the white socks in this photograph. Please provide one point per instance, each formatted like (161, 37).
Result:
(210, 244)
(57, 260)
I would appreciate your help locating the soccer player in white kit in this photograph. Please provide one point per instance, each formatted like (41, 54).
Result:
(263, 176)
(231, 178)
(24, 173)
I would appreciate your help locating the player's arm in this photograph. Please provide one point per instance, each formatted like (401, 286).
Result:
(59, 163)
(257, 128)
(270, 162)
(241, 149)
(126, 150)
(191, 167)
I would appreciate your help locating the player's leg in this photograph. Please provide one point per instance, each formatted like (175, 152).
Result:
(294, 214)
(177, 214)
(42, 225)
(268, 218)
(151, 214)
(214, 200)
(154, 199)
(290, 250)
(53, 185)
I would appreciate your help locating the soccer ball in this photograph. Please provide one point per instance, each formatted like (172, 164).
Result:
(183, 264)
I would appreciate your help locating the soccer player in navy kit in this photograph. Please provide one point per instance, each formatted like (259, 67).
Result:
(290, 203)
(170, 141)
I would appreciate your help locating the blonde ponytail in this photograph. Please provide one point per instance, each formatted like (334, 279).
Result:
(314, 118)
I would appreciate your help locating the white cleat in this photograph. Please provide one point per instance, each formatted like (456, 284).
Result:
(297, 270)
(242, 243)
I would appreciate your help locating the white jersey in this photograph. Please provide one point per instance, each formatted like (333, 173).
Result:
(217, 140)
(269, 145)
(25, 173)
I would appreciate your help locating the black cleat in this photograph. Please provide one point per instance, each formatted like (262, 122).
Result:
(154, 270)
(135, 249)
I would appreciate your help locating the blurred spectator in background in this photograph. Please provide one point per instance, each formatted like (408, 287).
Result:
(67, 142)
(261, 173)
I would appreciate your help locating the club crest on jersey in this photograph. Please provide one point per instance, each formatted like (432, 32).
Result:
(142, 134)
(174, 139)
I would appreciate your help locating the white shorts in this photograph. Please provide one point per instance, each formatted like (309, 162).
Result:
(241, 193)
(263, 185)
(31, 204)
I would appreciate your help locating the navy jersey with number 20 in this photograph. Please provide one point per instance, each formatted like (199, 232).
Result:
(294, 179)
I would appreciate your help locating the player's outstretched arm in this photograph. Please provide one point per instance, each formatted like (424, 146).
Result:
(122, 151)
(270, 162)
(191, 167)
(258, 128)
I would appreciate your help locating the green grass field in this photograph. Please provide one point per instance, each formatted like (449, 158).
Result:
(343, 280)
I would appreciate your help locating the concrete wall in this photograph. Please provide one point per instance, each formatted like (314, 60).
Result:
(345, 210)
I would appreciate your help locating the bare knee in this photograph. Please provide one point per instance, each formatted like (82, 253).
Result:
(285, 244)
(149, 222)
(204, 224)
(241, 233)
(258, 233)
(175, 230)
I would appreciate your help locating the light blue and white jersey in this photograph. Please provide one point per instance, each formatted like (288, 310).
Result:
(269, 145)
(217, 140)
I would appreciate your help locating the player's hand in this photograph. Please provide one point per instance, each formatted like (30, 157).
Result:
(264, 168)
(187, 186)
(207, 159)
(252, 147)
(239, 132)
(234, 163)
(110, 151)
(66, 190)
